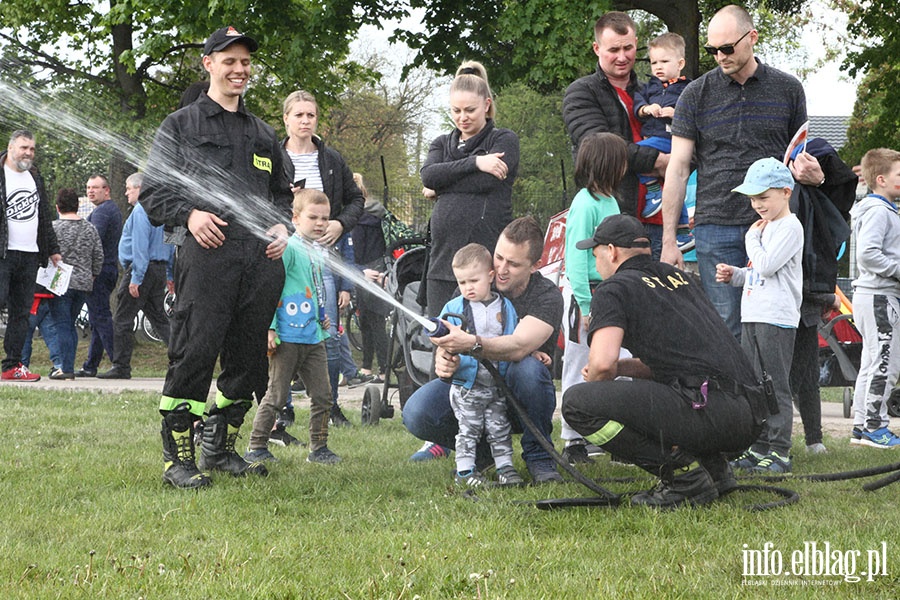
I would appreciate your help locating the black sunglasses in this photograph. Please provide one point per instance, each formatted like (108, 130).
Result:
(727, 49)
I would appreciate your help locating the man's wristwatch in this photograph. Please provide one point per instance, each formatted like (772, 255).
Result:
(477, 351)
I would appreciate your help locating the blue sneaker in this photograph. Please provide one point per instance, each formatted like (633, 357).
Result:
(430, 451)
(746, 461)
(653, 200)
(773, 463)
(685, 242)
(880, 438)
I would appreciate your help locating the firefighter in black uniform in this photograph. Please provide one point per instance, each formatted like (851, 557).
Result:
(219, 171)
(692, 394)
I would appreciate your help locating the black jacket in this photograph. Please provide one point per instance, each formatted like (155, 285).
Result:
(230, 164)
(46, 237)
(823, 212)
(592, 104)
(472, 206)
(346, 200)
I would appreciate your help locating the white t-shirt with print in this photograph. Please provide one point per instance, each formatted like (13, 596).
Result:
(21, 210)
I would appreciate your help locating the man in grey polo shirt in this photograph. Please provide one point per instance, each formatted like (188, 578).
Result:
(731, 116)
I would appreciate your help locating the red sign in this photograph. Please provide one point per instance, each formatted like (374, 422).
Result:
(554, 255)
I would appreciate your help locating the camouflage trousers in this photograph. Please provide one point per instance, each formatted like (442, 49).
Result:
(480, 411)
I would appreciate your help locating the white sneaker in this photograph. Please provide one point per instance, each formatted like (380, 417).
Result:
(817, 448)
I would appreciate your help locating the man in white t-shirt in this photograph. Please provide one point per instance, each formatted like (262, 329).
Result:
(27, 241)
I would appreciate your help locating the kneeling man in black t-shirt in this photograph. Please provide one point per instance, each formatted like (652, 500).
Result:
(688, 395)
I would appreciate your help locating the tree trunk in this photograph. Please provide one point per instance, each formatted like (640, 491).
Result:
(680, 16)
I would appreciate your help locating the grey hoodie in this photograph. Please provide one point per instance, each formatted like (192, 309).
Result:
(876, 226)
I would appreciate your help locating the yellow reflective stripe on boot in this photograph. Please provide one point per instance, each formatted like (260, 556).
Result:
(605, 434)
(169, 403)
(222, 401)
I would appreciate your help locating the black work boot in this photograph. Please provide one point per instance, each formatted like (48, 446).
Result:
(220, 433)
(689, 485)
(721, 473)
(179, 469)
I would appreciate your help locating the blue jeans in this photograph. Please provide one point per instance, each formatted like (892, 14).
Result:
(43, 320)
(428, 415)
(722, 244)
(337, 346)
(64, 309)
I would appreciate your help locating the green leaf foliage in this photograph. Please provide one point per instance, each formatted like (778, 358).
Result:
(123, 64)
(876, 115)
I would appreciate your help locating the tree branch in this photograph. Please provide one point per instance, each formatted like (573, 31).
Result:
(142, 70)
(47, 61)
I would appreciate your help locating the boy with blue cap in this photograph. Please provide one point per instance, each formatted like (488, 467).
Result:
(770, 303)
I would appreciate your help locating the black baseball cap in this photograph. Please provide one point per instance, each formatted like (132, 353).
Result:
(222, 38)
(622, 231)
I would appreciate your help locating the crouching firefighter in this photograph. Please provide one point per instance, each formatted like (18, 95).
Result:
(689, 396)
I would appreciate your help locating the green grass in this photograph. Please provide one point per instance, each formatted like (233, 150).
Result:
(85, 515)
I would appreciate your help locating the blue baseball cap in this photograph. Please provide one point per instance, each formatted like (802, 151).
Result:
(764, 174)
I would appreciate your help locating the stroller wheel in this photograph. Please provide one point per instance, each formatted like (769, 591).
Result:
(894, 403)
(848, 402)
(371, 405)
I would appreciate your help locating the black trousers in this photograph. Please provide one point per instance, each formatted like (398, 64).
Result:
(656, 417)
(151, 299)
(805, 381)
(17, 273)
(225, 301)
(372, 329)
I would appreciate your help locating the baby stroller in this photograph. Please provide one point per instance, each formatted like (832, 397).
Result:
(840, 346)
(409, 349)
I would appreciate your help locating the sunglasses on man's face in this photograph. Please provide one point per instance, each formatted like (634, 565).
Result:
(727, 49)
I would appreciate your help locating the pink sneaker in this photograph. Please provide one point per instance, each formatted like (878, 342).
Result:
(19, 373)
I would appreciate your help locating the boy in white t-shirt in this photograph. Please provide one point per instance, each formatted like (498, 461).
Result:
(770, 303)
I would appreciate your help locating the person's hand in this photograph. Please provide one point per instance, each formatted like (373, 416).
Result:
(666, 113)
(272, 344)
(492, 164)
(584, 372)
(326, 323)
(134, 290)
(724, 273)
(671, 254)
(543, 357)
(652, 110)
(445, 364)
(455, 342)
(332, 233)
(343, 299)
(56, 259)
(204, 226)
(375, 276)
(758, 226)
(276, 247)
(170, 286)
(806, 169)
(429, 193)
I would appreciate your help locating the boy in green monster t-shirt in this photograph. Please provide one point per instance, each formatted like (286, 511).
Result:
(297, 335)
